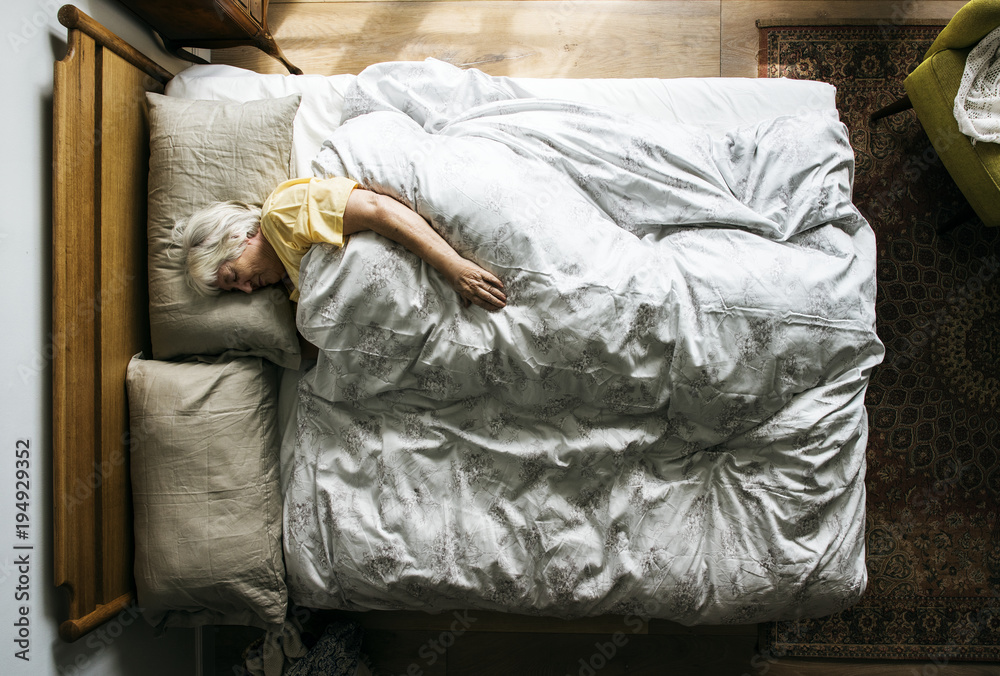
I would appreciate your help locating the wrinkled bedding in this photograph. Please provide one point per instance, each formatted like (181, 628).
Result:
(666, 420)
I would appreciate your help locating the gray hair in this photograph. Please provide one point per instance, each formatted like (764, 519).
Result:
(211, 237)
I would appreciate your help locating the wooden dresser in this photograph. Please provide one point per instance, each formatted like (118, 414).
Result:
(209, 24)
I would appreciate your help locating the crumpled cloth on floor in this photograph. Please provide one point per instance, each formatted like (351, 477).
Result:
(336, 653)
(278, 651)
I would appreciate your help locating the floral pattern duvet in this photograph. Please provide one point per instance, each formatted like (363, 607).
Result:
(666, 420)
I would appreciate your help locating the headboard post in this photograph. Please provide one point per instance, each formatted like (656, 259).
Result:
(99, 310)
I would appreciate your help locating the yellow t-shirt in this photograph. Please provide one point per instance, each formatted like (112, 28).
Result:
(302, 212)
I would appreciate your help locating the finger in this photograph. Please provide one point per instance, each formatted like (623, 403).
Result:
(492, 279)
(486, 305)
(487, 297)
(483, 288)
(496, 295)
(471, 296)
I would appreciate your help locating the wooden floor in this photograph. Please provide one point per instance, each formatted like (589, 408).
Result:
(552, 38)
(568, 38)
(472, 643)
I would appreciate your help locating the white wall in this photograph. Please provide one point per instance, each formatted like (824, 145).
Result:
(32, 39)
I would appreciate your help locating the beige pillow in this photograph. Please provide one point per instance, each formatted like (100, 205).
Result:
(203, 152)
(206, 493)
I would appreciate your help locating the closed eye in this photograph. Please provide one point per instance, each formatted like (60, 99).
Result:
(230, 276)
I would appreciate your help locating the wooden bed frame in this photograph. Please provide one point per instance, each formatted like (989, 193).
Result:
(100, 314)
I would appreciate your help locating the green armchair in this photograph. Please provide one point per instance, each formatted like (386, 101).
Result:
(931, 89)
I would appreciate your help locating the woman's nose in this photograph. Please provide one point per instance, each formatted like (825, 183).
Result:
(246, 287)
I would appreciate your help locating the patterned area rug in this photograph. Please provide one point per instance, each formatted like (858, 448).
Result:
(933, 530)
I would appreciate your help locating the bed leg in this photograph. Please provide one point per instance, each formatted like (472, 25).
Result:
(897, 106)
(267, 45)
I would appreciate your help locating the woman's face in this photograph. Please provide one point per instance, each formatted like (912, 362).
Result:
(256, 267)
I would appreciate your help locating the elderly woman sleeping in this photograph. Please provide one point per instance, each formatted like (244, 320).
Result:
(670, 412)
(231, 246)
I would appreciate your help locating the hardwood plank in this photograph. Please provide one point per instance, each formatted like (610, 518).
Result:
(483, 621)
(696, 654)
(121, 301)
(73, 333)
(668, 627)
(569, 38)
(489, 654)
(224, 646)
(739, 37)
(407, 652)
(804, 667)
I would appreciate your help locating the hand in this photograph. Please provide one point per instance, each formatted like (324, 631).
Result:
(370, 211)
(476, 285)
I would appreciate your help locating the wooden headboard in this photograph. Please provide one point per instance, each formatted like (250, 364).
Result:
(99, 309)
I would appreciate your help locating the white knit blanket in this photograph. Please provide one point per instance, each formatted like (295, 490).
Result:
(977, 105)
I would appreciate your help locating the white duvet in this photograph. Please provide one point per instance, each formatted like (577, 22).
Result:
(668, 417)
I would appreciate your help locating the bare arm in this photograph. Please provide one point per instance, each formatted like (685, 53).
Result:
(367, 210)
(306, 349)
